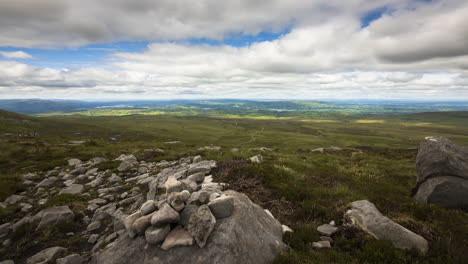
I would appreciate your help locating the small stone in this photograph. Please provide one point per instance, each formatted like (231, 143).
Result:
(185, 215)
(165, 215)
(148, 207)
(321, 244)
(156, 235)
(7, 262)
(128, 222)
(222, 207)
(286, 229)
(142, 170)
(92, 171)
(124, 166)
(173, 185)
(197, 159)
(93, 226)
(141, 224)
(197, 177)
(74, 162)
(325, 238)
(26, 207)
(256, 159)
(13, 199)
(176, 238)
(201, 224)
(123, 195)
(327, 230)
(114, 178)
(332, 223)
(73, 189)
(93, 238)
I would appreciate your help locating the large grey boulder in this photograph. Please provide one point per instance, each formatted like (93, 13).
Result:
(47, 256)
(249, 235)
(53, 215)
(438, 156)
(365, 215)
(442, 169)
(446, 191)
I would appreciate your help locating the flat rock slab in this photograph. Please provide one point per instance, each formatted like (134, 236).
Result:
(176, 238)
(327, 230)
(73, 189)
(250, 235)
(53, 215)
(365, 215)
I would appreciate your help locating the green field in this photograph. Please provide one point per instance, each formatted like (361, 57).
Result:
(301, 188)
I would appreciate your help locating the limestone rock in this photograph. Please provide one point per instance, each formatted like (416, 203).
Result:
(365, 215)
(177, 237)
(222, 206)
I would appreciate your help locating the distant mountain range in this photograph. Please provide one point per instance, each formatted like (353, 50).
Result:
(35, 106)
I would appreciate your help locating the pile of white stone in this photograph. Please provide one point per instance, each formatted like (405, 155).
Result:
(185, 214)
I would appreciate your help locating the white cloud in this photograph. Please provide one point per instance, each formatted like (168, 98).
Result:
(413, 48)
(15, 55)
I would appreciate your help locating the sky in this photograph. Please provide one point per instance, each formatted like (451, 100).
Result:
(208, 49)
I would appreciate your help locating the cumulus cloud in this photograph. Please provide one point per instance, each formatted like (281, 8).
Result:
(15, 54)
(414, 46)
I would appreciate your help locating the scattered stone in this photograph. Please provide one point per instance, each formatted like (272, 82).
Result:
(25, 207)
(202, 169)
(176, 238)
(156, 235)
(7, 262)
(165, 215)
(327, 230)
(222, 207)
(114, 178)
(190, 185)
(74, 162)
(142, 170)
(128, 222)
(332, 223)
(92, 171)
(211, 147)
(73, 189)
(197, 159)
(365, 215)
(49, 255)
(127, 158)
(235, 150)
(124, 166)
(13, 199)
(320, 150)
(177, 200)
(256, 159)
(199, 197)
(53, 215)
(201, 224)
(321, 244)
(47, 182)
(71, 259)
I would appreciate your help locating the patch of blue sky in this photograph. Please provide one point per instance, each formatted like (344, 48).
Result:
(96, 55)
(372, 16)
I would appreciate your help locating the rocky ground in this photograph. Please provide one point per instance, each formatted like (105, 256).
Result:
(138, 205)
